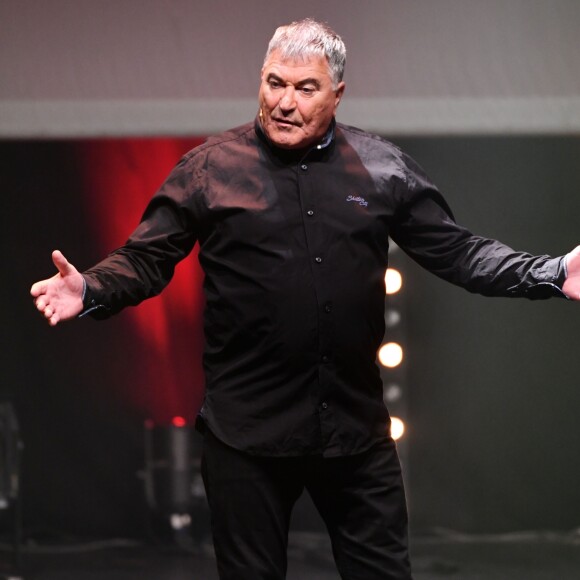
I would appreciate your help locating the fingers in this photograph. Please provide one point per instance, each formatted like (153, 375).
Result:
(39, 291)
(40, 304)
(38, 288)
(48, 311)
(43, 306)
(45, 309)
(53, 320)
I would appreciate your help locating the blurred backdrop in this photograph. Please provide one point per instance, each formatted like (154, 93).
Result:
(99, 100)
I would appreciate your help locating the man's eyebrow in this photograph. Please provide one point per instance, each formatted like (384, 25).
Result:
(308, 81)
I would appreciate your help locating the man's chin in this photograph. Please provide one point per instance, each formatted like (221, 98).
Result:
(287, 140)
(284, 142)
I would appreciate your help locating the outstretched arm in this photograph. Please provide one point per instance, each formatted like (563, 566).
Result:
(571, 286)
(59, 298)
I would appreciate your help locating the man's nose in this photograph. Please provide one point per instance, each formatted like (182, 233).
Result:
(288, 100)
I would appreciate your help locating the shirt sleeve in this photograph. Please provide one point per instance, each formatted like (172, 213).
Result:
(145, 264)
(426, 230)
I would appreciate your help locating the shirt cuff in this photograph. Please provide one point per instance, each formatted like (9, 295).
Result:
(90, 305)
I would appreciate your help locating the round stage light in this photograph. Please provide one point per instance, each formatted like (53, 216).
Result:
(393, 281)
(391, 354)
(397, 428)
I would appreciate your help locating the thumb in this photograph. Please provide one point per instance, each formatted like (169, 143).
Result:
(63, 266)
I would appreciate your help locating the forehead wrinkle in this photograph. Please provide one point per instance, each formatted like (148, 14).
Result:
(316, 70)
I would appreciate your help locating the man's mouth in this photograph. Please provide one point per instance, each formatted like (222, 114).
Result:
(284, 122)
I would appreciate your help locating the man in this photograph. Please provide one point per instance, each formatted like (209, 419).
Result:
(292, 213)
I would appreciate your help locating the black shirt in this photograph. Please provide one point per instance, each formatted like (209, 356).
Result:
(294, 247)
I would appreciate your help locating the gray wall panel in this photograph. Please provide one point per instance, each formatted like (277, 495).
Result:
(461, 66)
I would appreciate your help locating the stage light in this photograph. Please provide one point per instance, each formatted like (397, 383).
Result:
(169, 466)
(180, 521)
(391, 354)
(178, 422)
(393, 281)
(11, 448)
(392, 317)
(173, 485)
(392, 393)
(397, 428)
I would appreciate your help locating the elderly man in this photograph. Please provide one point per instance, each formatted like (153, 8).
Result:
(292, 213)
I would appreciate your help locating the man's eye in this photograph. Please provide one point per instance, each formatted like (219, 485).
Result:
(307, 91)
(274, 84)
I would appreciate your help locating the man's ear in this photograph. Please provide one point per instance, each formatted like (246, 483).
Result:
(338, 94)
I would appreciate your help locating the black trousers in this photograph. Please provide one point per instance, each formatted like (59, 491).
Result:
(360, 498)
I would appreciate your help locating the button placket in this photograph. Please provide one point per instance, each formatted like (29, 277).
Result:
(316, 251)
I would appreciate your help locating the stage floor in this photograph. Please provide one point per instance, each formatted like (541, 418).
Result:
(525, 557)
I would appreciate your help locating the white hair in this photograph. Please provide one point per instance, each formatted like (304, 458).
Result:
(306, 38)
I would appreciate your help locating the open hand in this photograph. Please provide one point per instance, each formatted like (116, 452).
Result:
(61, 297)
(571, 286)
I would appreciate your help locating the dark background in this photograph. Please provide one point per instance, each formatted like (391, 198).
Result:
(491, 385)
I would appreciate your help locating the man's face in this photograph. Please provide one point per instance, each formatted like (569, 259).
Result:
(297, 101)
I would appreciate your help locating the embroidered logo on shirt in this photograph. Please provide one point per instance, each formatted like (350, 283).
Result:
(357, 199)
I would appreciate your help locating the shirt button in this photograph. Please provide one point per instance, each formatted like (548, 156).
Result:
(324, 405)
(310, 213)
(328, 307)
(304, 167)
(318, 259)
(325, 358)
